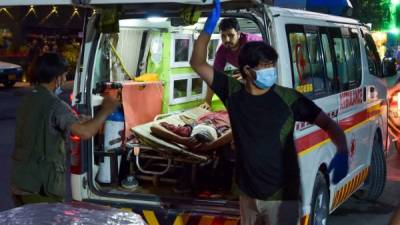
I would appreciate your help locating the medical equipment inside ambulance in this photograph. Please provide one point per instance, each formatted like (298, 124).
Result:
(148, 61)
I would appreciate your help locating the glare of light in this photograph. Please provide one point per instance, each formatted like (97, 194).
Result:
(202, 20)
(395, 2)
(75, 12)
(5, 10)
(394, 30)
(93, 12)
(31, 10)
(54, 10)
(156, 19)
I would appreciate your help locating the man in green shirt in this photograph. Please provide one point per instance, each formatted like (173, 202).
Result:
(44, 123)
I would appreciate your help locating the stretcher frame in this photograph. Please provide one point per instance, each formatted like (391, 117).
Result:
(173, 154)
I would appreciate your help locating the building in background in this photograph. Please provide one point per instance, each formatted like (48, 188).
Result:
(26, 32)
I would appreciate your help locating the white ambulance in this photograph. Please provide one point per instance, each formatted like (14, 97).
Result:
(332, 60)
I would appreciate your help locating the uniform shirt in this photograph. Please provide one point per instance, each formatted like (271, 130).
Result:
(43, 123)
(225, 55)
(61, 118)
(262, 129)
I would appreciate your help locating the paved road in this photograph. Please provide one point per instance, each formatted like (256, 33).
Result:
(353, 212)
(356, 212)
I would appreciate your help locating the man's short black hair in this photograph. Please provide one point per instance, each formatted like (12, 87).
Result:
(255, 52)
(229, 23)
(48, 67)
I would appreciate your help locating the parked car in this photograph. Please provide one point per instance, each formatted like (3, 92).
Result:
(10, 73)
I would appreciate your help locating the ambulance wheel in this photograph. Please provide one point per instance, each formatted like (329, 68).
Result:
(320, 201)
(375, 182)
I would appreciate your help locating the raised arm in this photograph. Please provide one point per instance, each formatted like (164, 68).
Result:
(198, 60)
(90, 127)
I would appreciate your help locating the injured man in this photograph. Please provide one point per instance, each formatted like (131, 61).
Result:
(208, 132)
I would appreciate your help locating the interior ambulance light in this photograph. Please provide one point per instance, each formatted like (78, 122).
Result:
(202, 20)
(156, 19)
(394, 30)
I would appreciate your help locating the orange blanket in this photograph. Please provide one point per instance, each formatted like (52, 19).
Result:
(142, 101)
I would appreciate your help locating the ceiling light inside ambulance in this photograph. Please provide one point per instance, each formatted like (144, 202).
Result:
(157, 19)
(202, 20)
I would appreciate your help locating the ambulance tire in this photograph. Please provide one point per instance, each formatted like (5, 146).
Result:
(375, 182)
(320, 201)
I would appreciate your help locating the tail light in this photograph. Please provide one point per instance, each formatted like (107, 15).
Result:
(71, 97)
(395, 104)
(76, 155)
(76, 164)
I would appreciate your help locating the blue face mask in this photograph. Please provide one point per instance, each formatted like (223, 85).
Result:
(58, 91)
(265, 78)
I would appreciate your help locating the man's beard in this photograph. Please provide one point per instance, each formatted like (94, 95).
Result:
(228, 45)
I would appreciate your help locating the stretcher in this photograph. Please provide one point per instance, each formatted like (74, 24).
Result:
(151, 147)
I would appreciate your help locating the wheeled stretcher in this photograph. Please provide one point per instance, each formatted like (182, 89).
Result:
(164, 154)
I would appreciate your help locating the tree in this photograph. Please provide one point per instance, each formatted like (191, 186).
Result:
(376, 12)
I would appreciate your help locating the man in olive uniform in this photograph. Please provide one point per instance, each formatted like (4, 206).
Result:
(44, 123)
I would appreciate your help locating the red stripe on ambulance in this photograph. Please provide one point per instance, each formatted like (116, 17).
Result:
(319, 136)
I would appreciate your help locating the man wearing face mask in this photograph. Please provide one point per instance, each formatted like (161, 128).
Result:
(262, 116)
(44, 123)
(232, 39)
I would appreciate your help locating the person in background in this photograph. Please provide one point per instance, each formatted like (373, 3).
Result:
(44, 124)
(262, 115)
(34, 52)
(232, 39)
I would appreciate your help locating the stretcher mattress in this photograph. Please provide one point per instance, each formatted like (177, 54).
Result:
(143, 133)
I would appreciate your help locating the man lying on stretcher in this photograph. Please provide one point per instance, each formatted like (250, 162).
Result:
(208, 132)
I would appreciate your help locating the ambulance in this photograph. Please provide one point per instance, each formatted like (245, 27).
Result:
(141, 48)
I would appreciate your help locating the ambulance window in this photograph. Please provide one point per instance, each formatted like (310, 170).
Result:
(101, 69)
(180, 88)
(316, 63)
(212, 48)
(197, 86)
(181, 49)
(300, 61)
(372, 56)
(186, 88)
(341, 49)
(352, 53)
(328, 56)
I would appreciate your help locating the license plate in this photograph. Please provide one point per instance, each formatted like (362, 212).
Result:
(12, 77)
